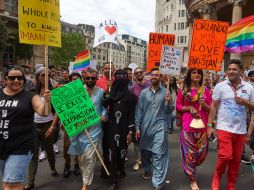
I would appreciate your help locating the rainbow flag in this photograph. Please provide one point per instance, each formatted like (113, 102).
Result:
(82, 61)
(240, 36)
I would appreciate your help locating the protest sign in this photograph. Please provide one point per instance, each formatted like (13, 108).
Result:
(74, 107)
(171, 60)
(208, 43)
(156, 40)
(106, 31)
(39, 22)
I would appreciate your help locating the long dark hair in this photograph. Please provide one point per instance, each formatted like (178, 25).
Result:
(18, 69)
(187, 80)
(173, 86)
(38, 85)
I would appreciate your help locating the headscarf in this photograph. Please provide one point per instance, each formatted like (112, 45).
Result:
(119, 88)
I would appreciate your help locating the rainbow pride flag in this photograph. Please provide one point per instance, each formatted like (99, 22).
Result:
(240, 36)
(82, 61)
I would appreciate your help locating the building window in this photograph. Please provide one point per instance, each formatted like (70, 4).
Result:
(185, 39)
(183, 13)
(182, 26)
(179, 26)
(178, 39)
(166, 28)
(179, 13)
(9, 55)
(11, 6)
(174, 26)
(181, 39)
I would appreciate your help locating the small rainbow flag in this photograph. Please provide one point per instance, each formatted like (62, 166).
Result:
(240, 36)
(82, 61)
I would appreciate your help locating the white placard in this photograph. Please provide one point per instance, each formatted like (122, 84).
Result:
(171, 60)
(106, 31)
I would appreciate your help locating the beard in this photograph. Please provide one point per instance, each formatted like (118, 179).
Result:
(90, 85)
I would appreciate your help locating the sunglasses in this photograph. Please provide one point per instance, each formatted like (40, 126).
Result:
(121, 77)
(90, 78)
(155, 75)
(139, 73)
(13, 78)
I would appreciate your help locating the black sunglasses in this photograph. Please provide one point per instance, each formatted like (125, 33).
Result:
(13, 78)
(139, 73)
(90, 78)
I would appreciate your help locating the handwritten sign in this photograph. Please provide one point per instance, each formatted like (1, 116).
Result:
(74, 107)
(171, 60)
(106, 31)
(156, 40)
(208, 43)
(39, 22)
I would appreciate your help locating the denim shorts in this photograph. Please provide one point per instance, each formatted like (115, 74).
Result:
(14, 168)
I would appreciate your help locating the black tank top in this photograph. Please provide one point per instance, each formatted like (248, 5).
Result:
(16, 124)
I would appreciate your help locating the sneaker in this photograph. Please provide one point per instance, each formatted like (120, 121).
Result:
(66, 172)
(136, 166)
(76, 170)
(245, 159)
(147, 175)
(56, 148)
(114, 187)
(29, 187)
(42, 156)
(54, 173)
(122, 175)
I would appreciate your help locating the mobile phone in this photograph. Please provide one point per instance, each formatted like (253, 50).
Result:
(213, 137)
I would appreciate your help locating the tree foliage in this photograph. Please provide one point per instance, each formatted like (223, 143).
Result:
(72, 43)
(3, 36)
(22, 51)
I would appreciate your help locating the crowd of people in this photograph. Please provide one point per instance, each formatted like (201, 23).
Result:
(134, 107)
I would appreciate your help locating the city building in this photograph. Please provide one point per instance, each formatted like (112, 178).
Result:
(101, 54)
(136, 50)
(9, 15)
(224, 10)
(171, 18)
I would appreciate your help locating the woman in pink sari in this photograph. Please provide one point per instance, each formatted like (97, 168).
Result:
(193, 102)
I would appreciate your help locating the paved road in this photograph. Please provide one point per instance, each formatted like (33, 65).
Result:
(177, 179)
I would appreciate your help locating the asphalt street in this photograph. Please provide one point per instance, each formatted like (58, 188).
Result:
(176, 179)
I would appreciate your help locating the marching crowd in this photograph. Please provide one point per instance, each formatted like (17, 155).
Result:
(135, 107)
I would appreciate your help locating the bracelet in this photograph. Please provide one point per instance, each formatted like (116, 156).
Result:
(130, 132)
(209, 124)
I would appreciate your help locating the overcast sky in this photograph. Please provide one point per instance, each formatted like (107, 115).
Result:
(134, 17)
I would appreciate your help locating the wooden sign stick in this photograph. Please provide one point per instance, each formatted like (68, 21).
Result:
(46, 79)
(96, 151)
(168, 87)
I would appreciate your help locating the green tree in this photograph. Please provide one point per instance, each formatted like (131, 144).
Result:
(22, 51)
(3, 38)
(72, 43)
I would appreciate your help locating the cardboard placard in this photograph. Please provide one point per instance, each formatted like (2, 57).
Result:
(74, 107)
(207, 45)
(171, 60)
(156, 40)
(39, 22)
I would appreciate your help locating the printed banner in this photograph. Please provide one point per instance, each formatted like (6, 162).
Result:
(156, 40)
(208, 43)
(74, 107)
(171, 60)
(106, 31)
(39, 22)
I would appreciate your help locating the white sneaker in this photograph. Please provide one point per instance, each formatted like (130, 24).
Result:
(56, 148)
(42, 156)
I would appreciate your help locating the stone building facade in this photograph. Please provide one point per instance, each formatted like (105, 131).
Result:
(136, 50)
(171, 18)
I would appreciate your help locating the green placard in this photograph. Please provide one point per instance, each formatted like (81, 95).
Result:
(74, 107)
